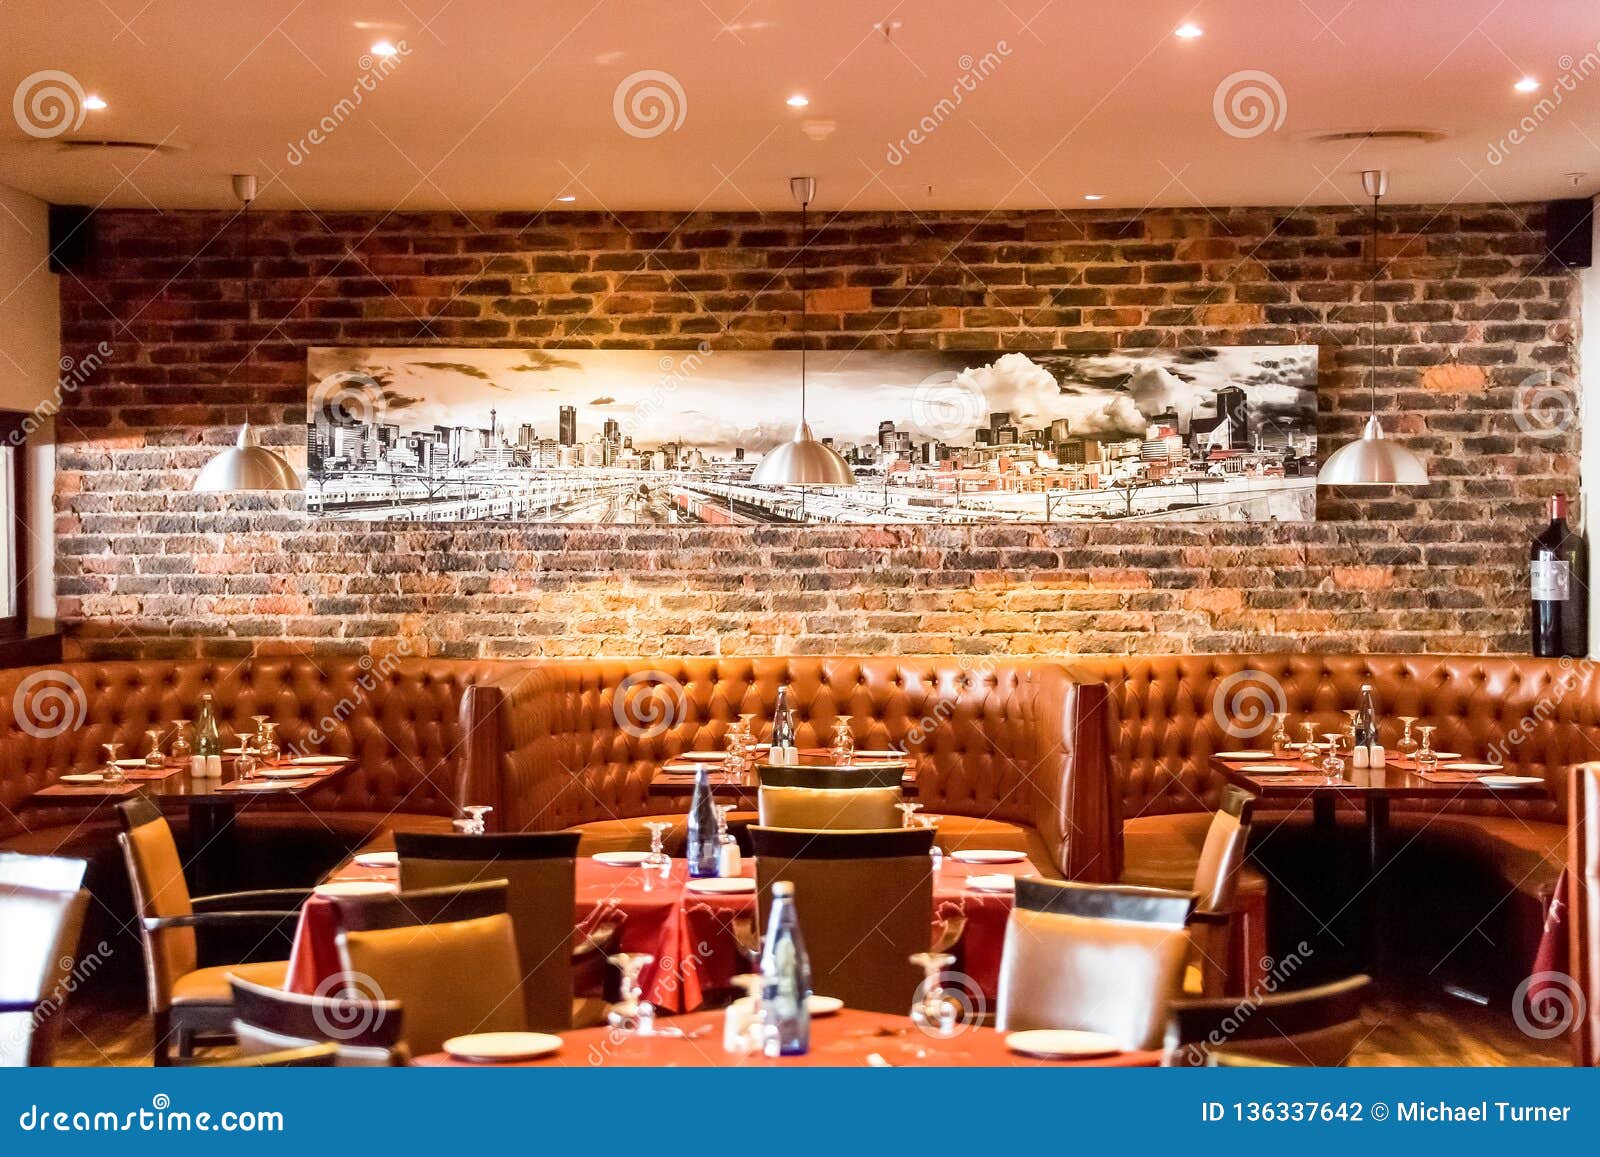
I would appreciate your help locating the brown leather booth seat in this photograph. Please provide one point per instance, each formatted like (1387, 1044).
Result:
(1166, 715)
(1000, 741)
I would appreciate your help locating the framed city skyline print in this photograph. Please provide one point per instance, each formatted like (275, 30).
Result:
(428, 434)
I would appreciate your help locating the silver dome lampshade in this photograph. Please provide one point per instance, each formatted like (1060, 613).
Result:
(246, 466)
(1372, 460)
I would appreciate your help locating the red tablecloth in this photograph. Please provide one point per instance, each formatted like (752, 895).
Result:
(849, 1038)
(690, 934)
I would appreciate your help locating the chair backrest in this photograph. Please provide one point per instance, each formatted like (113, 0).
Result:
(270, 1020)
(1097, 957)
(311, 1056)
(865, 900)
(830, 799)
(1313, 1026)
(540, 870)
(155, 872)
(42, 905)
(1216, 876)
(1583, 904)
(448, 955)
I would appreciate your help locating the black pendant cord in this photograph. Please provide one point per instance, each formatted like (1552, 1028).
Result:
(805, 330)
(1372, 326)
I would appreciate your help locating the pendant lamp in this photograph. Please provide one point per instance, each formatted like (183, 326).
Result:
(1372, 459)
(246, 466)
(803, 461)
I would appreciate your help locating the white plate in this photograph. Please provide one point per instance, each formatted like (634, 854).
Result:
(722, 885)
(317, 760)
(84, 777)
(880, 755)
(133, 763)
(501, 1047)
(281, 772)
(351, 888)
(670, 769)
(1242, 755)
(379, 859)
(270, 784)
(621, 859)
(233, 751)
(1490, 767)
(1441, 756)
(997, 884)
(704, 756)
(1061, 1043)
(1508, 780)
(1274, 769)
(989, 856)
(823, 1005)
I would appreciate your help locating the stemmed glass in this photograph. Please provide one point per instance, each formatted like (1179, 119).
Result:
(658, 856)
(1350, 735)
(723, 838)
(268, 745)
(155, 760)
(936, 853)
(1311, 737)
(245, 764)
(908, 810)
(1427, 759)
(844, 744)
(182, 749)
(261, 729)
(935, 1011)
(1332, 761)
(743, 1033)
(111, 773)
(475, 816)
(1407, 747)
(632, 1014)
(1280, 736)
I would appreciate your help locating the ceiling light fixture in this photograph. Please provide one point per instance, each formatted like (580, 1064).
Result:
(94, 102)
(798, 100)
(1527, 84)
(1372, 459)
(385, 48)
(1188, 31)
(566, 198)
(1094, 196)
(245, 465)
(803, 461)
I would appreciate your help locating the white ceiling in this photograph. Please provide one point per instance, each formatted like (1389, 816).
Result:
(502, 104)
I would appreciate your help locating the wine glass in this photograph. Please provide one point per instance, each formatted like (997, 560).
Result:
(261, 729)
(742, 1034)
(723, 837)
(268, 748)
(658, 856)
(748, 722)
(934, 1010)
(1407, 747)
(1350, 735)
(1281, 747)
(1332, 761)
(1311, 736)
(844, 744)
(111, 773)
(155, 759)
(245, 764)
(1427, 759)
(474, 824)
(632, 1014)
(908, 812)
(936, 853)
(182, 749)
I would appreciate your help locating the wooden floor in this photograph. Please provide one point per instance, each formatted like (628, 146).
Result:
(1432, 1029)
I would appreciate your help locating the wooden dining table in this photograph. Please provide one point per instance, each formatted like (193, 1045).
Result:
(848, 1038)
(675, 778)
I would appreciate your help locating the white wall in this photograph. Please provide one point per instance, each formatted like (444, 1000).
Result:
(30, 354)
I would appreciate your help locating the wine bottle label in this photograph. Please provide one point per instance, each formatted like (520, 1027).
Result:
(1552, 580)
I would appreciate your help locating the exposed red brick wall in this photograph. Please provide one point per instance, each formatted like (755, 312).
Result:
(1467, 312)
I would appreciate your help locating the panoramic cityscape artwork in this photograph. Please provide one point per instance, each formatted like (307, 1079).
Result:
(671, 438)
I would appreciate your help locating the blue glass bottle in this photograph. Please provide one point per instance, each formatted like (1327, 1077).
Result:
(785, 978)
(703, 850)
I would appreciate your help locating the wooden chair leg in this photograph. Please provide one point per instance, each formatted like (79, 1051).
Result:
(161, 1030)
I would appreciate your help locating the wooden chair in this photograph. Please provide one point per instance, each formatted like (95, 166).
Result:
(447, 955)
(189, 1003)
(1103, 958)
(1583, 907)
(540, 869)
(829, 798)
(304, 1057)
(865, 900)
(364, 1033)
(1314, 1026)
(1213, 923)
(42, 905)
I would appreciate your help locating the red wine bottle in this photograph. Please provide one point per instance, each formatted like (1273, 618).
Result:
(1558, 575)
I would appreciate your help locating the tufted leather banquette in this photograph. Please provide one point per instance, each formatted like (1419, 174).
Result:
(1000, 741)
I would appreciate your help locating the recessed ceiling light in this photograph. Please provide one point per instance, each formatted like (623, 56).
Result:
(1094, 196)
(384, 48)
(566, 198)
(1526, 84)
(1188, 31)
(798, 101)
(93, 102)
